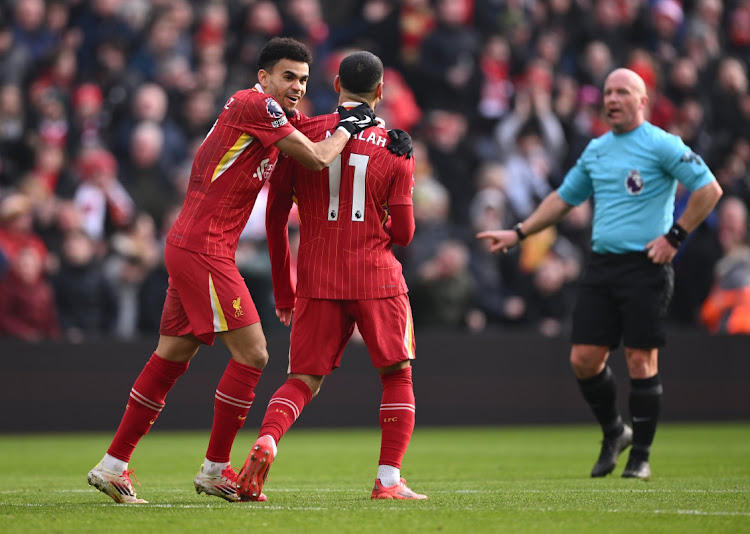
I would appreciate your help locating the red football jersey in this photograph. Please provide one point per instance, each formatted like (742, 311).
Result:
(230, 167)
(345, 247)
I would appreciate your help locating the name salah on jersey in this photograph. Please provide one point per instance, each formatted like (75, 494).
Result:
(367, 136)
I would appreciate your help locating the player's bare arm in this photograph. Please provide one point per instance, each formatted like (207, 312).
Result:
(700, 204)
(551, 210)
(317, 156)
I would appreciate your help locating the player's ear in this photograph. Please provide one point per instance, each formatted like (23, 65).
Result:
(379, 91)
(263, 76)
(337, 84)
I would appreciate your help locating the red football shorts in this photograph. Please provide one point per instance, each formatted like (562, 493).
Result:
(321, 328)
(206, 294)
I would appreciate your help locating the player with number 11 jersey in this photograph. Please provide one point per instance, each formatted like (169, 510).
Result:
(345, 231)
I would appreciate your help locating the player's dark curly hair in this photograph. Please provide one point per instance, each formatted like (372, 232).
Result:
(280, 48)
(360, 72)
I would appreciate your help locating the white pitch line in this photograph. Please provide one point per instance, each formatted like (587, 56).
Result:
(441, 492)
(421, 508)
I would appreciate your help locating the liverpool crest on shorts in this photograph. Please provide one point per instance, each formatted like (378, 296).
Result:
(237, 307)
(634, 182)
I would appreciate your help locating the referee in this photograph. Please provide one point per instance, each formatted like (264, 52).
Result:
(632, 174)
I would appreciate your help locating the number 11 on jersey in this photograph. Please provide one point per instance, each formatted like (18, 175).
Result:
(359, 162)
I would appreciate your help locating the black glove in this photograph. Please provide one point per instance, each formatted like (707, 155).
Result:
(356, 119)
(400, 144)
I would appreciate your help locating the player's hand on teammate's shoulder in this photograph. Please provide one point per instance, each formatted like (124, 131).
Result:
(401, 143)
(356, 119)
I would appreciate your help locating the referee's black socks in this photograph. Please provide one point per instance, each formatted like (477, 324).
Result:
(600, 392)
(645, 405)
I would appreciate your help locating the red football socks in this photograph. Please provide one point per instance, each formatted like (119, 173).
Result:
(397, 411)
(147, 398)
(284, 408)
(234, 396)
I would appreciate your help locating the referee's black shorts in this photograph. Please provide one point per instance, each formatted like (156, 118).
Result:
(623, 297)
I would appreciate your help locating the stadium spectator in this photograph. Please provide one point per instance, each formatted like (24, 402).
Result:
(51, 174)
(531, 142)
(160, 46)
(694, 262)
(727, 308)
(88, 121)
(144, 174)
(729, 88)
(30, 28)
(495, 299)
(117, 83)
(453, 159)
(135, 253)
(448, 70)
(230, 167)
(100, 21)
(433, 224)
(15, 149)
(15, 58)
(85, 300)
(27, 300)
(17, 228)
(260, 22)
(496, 88)
(104, 203)
(626, 290)
(595, 64)
(150, 103)
(346, 276)
(443, 291)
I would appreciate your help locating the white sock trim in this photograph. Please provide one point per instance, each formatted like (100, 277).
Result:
(389, 475)
(213, 468)
(110, 463)
(273, 442)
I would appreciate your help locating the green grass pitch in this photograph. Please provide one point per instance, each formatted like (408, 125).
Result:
(486, 479)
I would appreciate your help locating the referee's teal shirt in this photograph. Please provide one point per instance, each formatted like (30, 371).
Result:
(633, 178)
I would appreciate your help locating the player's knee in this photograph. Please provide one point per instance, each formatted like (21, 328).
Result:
(311, 381)
(586, 365)
(255, 356)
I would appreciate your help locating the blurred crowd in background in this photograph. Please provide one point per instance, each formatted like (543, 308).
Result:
(104, 102)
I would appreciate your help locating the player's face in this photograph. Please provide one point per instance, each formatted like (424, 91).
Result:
(287, 83)
(624, 101)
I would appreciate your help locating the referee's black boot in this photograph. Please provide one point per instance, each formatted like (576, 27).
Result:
(611, 449)
(637, 467)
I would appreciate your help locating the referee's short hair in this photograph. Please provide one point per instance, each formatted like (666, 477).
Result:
(360, 72)
(280, 48)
